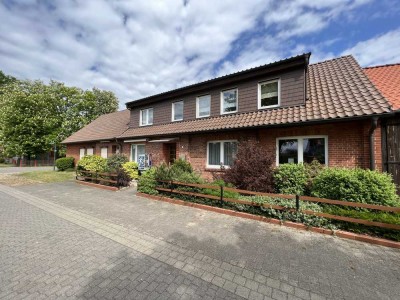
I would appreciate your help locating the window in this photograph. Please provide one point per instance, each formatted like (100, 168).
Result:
(177, 111)
(221, 153)
(302, 149)
(104, 152)
(203, 106)
(146, 117)
(229, 100)
(138, 154)
(81, 153)
(269, 94)
(89, 151)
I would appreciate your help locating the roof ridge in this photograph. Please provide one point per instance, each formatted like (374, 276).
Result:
(382, 66)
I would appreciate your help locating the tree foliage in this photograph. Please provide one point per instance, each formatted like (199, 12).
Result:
(34, 115)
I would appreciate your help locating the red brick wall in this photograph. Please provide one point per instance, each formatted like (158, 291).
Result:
(348, 144)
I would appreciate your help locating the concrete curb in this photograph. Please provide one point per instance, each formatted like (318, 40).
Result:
(338, 233)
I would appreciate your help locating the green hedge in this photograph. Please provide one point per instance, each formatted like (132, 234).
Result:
(355, 185)
(93, 163)
(65, 163)
(296, 178)
(116, 161)
(131, 168)
(147, 182)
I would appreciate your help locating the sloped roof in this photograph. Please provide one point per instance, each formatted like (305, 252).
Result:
(336, 88)
(105, 127)
(387, 79)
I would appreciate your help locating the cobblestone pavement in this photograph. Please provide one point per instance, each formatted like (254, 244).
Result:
(120, 249)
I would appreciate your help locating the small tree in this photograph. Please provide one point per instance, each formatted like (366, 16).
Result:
(252, 168)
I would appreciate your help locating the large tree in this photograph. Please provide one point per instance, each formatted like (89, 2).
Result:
(34, 115)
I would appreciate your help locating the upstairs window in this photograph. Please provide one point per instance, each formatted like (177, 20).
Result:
(229, 101)
(203, 106)
(177, 111)
(269, 94)
(221, 153)
(302, 149)
(146, 117)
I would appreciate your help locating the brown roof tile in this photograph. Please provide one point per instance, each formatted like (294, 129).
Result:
(387, 79)
(105, 127)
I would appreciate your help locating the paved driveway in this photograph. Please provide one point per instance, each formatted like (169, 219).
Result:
(69, 240)
(12, 170)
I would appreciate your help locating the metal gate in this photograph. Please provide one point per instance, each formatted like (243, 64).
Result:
(391, 149)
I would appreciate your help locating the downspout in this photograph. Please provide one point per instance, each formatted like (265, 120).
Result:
(119, 144)
(374, 125)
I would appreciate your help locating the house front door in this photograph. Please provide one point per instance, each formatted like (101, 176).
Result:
(391, 150)
(171, 153)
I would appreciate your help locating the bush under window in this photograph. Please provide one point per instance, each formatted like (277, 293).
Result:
(356, 185)
(251, 169)
(93, 163)
(116, 161)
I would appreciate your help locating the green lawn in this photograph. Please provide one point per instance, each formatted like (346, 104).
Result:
(48, 176)
(6, 165)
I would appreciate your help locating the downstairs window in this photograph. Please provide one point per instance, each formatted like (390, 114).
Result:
(302, 149)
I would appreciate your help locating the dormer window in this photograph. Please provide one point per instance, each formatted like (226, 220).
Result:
(177, 111)
(146, 117)
(229, 101)
(269, 94)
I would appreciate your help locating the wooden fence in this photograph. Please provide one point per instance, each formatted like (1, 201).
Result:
(96, 177)
(295, 198)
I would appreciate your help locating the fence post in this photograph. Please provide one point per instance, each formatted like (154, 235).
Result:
(297, 203)
(221, 195)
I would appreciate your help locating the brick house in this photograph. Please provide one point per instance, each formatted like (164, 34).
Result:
(329, 111)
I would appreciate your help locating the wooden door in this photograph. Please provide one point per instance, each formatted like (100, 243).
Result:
(391, 149)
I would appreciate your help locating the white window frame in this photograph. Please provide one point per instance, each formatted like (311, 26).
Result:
(140, 116)
(80, 153)
(198, 107)
(136, 152)
(87, 151)
(101, 152)
(300, 149)
(221, 152)
(279, 93)
(222, 101)
(173, 111)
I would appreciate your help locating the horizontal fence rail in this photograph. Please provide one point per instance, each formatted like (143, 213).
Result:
(96, 177)
(221, 199)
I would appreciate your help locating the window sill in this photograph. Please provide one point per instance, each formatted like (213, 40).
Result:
(228, 113)
(146, 125)
(267, 107)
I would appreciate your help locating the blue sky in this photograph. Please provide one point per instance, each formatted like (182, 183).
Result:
(140, 48)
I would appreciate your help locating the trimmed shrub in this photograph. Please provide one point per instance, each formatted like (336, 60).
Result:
(296, 178)
(181, 165)
(64, 163)
(252, 168)
(131, 168)
(147, 182)
(356, 185)
(93, 163)
(116, 161)
(291, 179)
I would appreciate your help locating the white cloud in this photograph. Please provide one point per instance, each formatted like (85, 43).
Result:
(139, 48)
(381, 49)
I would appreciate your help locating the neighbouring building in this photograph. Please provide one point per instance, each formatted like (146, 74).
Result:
(387, 79)
(329, 111)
